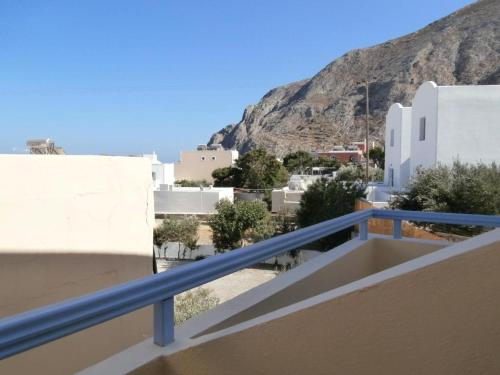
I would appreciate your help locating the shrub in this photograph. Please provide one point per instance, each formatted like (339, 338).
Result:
(461, 188)
(235, 223)
(328, 199)
(192, 303)
(182, 231)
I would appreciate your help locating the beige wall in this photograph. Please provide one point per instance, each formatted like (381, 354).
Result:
(373, 256)
(70, 225)
(199, 165)
(441, 319)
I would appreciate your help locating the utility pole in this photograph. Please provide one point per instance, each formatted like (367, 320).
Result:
(367, 129)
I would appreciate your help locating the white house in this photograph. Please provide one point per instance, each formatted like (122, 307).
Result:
(397, 146)
(162, 173)
(444, 124)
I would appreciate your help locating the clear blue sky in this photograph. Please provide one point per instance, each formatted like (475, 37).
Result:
(131, 76)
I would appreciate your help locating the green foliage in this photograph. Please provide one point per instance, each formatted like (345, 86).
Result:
(233, 224)
(357, 172)
(192, 183)
(182, 231)
(261, 170)
(256, 169)
(328, 199)
(301, 162)
(227, 177)
(461, 188)
(377, 154)
(192, 303)
(298, 162)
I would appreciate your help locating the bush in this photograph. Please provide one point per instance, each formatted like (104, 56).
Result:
(235, 223)
(192, 183)
(192, 303)
(357, 172)
(182, 231)
(461, 188)
(328, 199)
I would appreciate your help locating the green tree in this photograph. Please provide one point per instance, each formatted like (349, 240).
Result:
(261, 170)
(328, 199)
(192, 183)
(461, 188)
(182, 231)
(377, 154)
(358, 173)
(233, 224)
(298, 162)
(227, 177)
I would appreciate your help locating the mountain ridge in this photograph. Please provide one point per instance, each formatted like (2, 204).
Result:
(329, 108)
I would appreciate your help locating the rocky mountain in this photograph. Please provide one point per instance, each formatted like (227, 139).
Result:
(329, 108)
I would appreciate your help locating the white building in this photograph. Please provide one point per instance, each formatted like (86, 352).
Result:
(170, 199)
(444, 124)
(162, 173)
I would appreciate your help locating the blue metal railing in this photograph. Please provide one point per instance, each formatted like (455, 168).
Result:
(36, 327)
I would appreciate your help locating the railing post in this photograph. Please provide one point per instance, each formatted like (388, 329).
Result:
(396, 231)
(363, 230)
(164, 322)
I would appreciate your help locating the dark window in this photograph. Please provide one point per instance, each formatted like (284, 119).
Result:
(421, 135)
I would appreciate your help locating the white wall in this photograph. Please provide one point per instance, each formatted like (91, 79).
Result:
(190, 200)
(469, 124)
(397, 156)
(70, 203)
(423, 153)
(71, 225)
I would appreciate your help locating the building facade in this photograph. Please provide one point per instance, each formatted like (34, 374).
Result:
(444, 124)
(199, 164)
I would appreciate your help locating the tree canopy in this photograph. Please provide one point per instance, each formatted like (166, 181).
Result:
(328, 199)
(256, 169)
(461, 188)
(236, 222)
(182, 231)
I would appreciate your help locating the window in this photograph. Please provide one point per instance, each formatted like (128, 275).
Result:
(154, 176)
(421, 135)
(202, 158)
(391, 176)
(213, 157)
(392, 137)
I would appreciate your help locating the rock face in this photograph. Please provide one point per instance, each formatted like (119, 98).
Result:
(329, 108)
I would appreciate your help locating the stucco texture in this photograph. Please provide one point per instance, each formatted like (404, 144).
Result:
(441, 319)
(71, 225)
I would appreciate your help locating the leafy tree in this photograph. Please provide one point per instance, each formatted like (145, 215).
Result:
(261, 170)
(328, 199)
(301, 162)
(192, 183)
(227, 177)
(358, 173)
(256, 169)
(182, 231)
(461, 188)
(377, 154)
(298, 162)
(322, 161)
(233, 224)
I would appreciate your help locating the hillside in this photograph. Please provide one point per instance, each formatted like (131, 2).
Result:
(329, 108)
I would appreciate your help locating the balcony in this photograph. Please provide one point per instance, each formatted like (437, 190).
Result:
(376, 304)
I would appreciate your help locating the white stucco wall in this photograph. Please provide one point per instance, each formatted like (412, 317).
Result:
(71, 203)
(469, 124)
(190, 200)
(397, 156)
(423, 153)
(71, 225)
